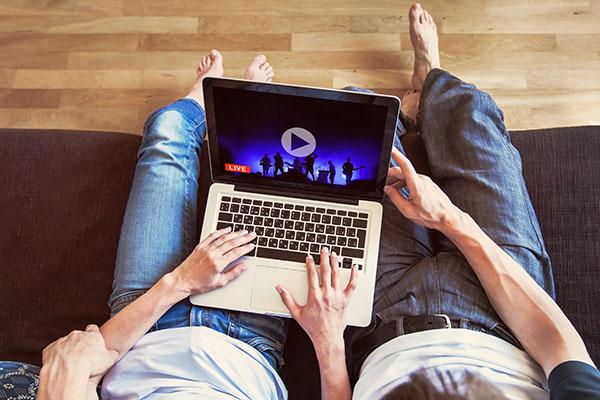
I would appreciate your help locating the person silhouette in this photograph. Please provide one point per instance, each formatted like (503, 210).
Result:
(309, 163)
(348, 170)
(278, 164)
(266, 164)
(331, 172)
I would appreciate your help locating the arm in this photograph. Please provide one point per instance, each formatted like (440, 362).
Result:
(324, 319)
(536, 320)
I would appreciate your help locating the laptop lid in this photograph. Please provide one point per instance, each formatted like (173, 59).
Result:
(299, 140)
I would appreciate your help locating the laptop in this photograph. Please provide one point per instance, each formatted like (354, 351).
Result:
(304, 168)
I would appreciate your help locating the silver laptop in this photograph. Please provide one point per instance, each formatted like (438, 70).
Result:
(303, 168)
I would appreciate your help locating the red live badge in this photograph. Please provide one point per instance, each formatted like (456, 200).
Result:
(244, 169)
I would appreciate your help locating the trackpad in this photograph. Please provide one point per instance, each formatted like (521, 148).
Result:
(266, 298)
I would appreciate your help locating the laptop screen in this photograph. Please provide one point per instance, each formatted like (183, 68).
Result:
(298, 141)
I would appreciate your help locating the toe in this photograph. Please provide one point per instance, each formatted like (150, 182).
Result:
(265, 66)
(414, 12)
(215, 56)
(428, 17)
(260, 59)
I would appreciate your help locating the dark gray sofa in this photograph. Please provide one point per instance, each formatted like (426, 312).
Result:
(62, 198)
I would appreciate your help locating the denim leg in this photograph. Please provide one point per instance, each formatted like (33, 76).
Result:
(160, 229)
(472, 159)
(159, 226)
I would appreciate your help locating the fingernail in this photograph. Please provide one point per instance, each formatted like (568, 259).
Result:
(278, 289)
(333, 253)
(387, 189)
(309, 256)
(325, 249)
(244, 231)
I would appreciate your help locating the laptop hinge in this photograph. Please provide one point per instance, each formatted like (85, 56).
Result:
(298, 194)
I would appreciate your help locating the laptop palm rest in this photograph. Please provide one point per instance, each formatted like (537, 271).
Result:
(266, 298)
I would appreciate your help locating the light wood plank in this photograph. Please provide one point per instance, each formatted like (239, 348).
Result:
(271, 24)
(62, 7)
(224, 42)
(25, 42)
(564, 79)
(464, 43)
(118, 98)
(511, 8)
(70, 24)
(77, 79)
(580, 23)
(578, 43)
(345, 42)
(7, 77)
(29, 98)
(109, 119)
(378, 24)
(35, 59)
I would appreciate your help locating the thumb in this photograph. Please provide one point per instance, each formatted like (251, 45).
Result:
(288, 300)
(396, 197)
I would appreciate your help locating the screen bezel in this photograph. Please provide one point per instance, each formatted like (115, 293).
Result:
(218, 174)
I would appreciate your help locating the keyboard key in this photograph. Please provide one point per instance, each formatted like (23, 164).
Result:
(290, 235)
(359, 266)
(352, 214)
(326, 219)
(223, 225)
(321, 239)
(234, 208)
(237, 218)
(363, 215)
(296, 215)
(320, 228)
(245, 209)
(283, 244)
(350, 232)
(248, 219)
(277, 254)
(305, 216)
(247, 201)
(347, 263)
(315, 218)
(347, 221)
(331, 239)
(265, 212)
(359, 223)
(238, 227)
(288, 206)
(362, 234)
(309, 209)
(299, 207)
(315, 248)
(355, 253)
(249, 228)
(309, 227)
(311, 237)
(320, 210)
(269, 232)
(288, 224)
(258, 221)
(236, 200)
(300, 236)
(299, 226)
(279, 233)
(263, 241)
(259, 230)
(337, 220)
(275, 212)
(285, 213)
(225, 217)
(224, 207)
(257, 202)
(294, 245)
(278, 223)
(330, 211)
(268, 222)
(341, 241)
(352, 242)
(278, 205)
(340, 231)
(341, 212)
(330, 230)
(335, 249)
(304, 247)
(273, 243)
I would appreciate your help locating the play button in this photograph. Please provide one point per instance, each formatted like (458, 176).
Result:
(298, 142)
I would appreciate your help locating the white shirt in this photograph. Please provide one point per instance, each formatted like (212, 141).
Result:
(454, 351)
(192, 363)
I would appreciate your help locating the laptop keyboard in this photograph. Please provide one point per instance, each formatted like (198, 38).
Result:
(288, 231)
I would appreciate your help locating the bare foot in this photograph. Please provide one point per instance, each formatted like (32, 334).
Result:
(209, 65)
(259, 70)
(410, 104)
(424, 38)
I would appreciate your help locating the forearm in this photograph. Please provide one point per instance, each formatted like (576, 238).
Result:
(532, 315)
(123, 330)
(335, 383)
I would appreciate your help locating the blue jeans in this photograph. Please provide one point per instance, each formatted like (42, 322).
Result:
(160, 229)
(471, 158)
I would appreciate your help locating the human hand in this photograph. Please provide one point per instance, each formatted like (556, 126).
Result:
(323, 317)
(84, 351)
(202, 271)
(426, 204)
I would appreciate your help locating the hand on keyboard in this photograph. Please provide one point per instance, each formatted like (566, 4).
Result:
(203, 270)
(323, 317)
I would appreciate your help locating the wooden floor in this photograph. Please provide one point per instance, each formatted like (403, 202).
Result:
(105, 64)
